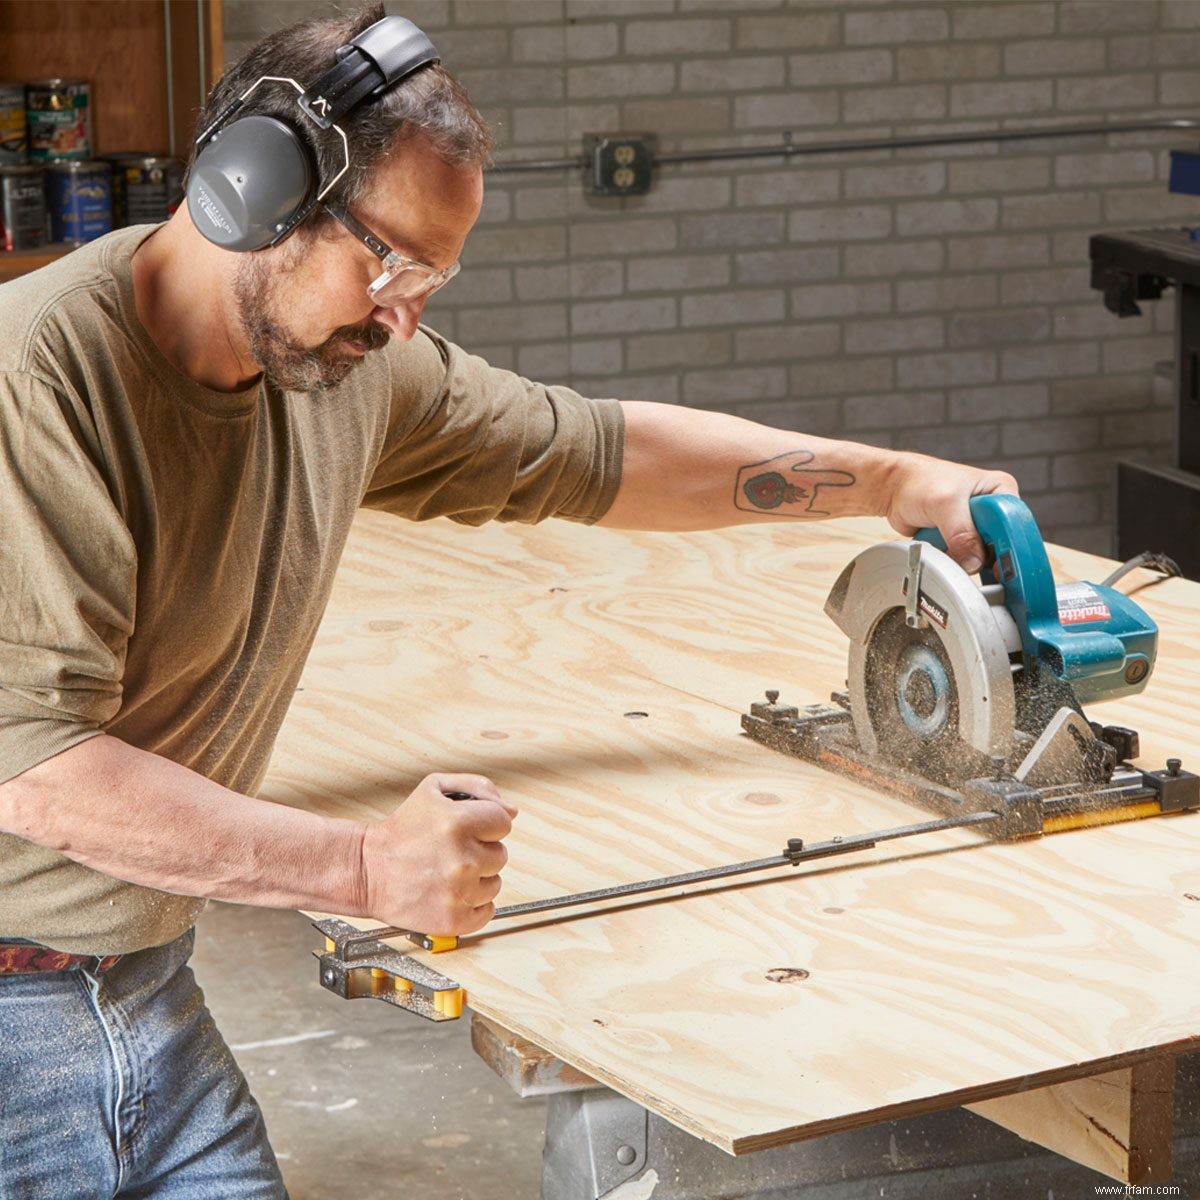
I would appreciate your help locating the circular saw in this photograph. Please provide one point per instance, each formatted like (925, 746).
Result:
(968, 695)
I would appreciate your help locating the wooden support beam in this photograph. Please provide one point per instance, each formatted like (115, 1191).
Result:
(523, 1065)
(1119, 1123)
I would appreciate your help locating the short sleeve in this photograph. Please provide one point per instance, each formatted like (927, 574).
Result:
(475, 443)
(67, 578)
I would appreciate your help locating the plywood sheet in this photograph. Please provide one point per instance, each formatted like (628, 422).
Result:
(912, 977)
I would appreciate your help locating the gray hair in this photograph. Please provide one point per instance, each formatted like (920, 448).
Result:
(430, 103)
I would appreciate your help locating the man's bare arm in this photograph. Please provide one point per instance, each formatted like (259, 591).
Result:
(689, 469)
(433, 864)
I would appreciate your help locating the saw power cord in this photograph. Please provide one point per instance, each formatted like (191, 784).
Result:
(1152, 561)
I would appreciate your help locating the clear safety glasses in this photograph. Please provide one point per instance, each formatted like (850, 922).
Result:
(403, 279)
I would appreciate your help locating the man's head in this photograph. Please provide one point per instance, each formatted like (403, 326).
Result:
(415, 182)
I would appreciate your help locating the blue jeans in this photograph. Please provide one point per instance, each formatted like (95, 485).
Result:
(119, 1084)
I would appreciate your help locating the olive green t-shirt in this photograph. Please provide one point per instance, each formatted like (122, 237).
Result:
(166, 551)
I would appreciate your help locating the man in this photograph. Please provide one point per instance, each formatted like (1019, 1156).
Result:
(188, 433)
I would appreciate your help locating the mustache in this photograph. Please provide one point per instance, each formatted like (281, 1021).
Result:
(370, 336)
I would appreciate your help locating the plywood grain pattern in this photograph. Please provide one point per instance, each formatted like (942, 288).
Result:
(905, 979)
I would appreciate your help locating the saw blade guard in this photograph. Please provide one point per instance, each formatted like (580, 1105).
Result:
(953, 666)
(1094, 638)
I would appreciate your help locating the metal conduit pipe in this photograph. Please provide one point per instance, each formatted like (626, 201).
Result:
(789, 149)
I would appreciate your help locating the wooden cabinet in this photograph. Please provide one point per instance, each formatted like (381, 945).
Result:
(150, 63)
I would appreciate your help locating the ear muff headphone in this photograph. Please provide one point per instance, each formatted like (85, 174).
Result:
(254, 179)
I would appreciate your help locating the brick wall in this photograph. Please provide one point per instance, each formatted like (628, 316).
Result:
(932, 299)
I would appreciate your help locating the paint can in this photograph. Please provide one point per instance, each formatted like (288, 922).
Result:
(58, 113)
(79, 197)
(12, 123)
(147, 188)
(22, 207)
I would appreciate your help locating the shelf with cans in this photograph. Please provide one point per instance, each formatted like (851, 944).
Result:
(55, 194)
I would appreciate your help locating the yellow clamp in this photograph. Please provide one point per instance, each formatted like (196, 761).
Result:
(448, 1003)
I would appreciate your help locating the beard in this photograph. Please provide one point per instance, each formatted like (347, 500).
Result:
(288, 365)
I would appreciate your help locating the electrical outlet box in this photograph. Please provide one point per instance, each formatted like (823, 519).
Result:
(619, 164)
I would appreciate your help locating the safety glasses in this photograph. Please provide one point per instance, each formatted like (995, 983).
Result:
(403, 279)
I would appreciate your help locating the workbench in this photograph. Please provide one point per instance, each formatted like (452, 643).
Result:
(598, 678)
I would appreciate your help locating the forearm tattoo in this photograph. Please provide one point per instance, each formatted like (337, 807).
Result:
(787, 486)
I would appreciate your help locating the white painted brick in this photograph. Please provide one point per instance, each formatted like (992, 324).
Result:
(946, 216)
(1054, 510)
(1179, 87)
(1070, 248)
(836, 68)
(887, 259)
(508, 84)
(787, 265)
(461, 48)
(999, 325)
(1003, 20)
(1094, 468)
(790, 31)
(1121, 393)
(1004, 174)
(1098, 16)
(915, 102)
(653, 350)
(889, 26)
(543, 283)
(598, 278)
(841, 300)
(950, 61)
(696, 114)
(1148, 205)
(1001, 99)
(1050, 56)
(964, 443)
(1001, 250)
(1121, 166)
(1105, 93)
(785, 109)
(535, 243)
(535, 125)
(1138, 429)
(901, 179)
(1009, 401)
(1153, 51)
(513, 322)
(720, 230)
(623, 316)
(684, 193)
(955, 368)
(800, 183)
(841, 376)
(1061, 208)
(1032, 472)
(1050, 361)
(856, 223)
(547, 361)
(644, 235)
(678, 273)
(582, 9)
(894, 333)
(950, 292)
(482, 285)
(1095, 321)
(620, 79)
(734, 385)
(1049, 435)
(661, 389)
(1180, 14)
(1045, 287)
(600, 356)
(781, 343)
(592, 40)
(731, 308)
(505, 12)
(731, 74)
(819, 418)
(679, 35)
(540, 204)
(1136, 354)
(895, 410)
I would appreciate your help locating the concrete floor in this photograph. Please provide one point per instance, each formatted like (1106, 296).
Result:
(364, 1100)
(361, 1099)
